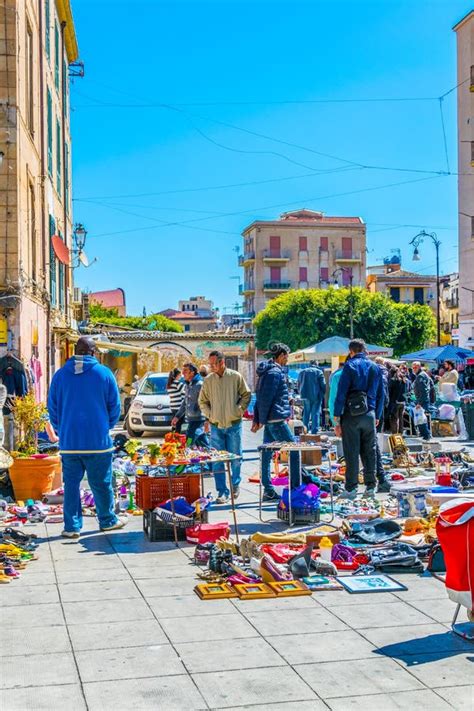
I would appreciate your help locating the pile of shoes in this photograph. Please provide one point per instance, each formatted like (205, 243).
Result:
(17, 549)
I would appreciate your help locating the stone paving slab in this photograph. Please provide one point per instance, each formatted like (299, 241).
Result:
(112, 623)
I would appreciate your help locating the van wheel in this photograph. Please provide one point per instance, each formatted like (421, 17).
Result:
(134, 433)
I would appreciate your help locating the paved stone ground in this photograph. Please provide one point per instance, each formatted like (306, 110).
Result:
(112, 623)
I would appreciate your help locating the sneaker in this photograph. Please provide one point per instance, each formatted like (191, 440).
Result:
(236, 492)
(350, 495)
(369, 492)
(270, 495)
(120, 523)
(222, 499)
(383, 487)
(70, 534)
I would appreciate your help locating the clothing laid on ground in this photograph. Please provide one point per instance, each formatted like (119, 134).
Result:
(84, 405)
(224, 398)
(99, 477)
(273, 402)
(230, 440)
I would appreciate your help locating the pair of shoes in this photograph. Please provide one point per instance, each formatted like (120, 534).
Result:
(350, 495)
(71, 534)
(270, 495)
(222, 499)
(120, 523)
(383, 487)
(369, 492)
(236, 492)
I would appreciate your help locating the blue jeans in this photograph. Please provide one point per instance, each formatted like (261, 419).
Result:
(230, 439)
(312, 411)
(279, 432)
(99, 476)
(196, 434)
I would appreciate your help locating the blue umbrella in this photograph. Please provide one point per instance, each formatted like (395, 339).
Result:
(440, 354)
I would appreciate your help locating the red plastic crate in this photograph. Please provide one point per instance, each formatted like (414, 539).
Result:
(151, 491)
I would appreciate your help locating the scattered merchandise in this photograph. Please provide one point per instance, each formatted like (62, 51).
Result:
(370, 584)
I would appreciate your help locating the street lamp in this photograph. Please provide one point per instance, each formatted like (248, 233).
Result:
(335, 273)
(416, 241)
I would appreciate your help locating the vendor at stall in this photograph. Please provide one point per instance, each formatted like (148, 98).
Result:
(450, 374)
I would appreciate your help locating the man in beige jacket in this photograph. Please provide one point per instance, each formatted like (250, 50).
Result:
(450, 374)
(223, 399)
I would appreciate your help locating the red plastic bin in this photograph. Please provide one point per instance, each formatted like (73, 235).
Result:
(151, 491)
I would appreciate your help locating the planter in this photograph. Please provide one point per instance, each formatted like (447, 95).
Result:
(32, 477)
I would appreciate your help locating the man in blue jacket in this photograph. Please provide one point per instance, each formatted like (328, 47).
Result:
(312, 388)
(271, 411)
(357, 411)
(84, 405)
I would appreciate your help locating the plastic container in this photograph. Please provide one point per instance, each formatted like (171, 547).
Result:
(151, 491)
(207, 532)
(325, 548)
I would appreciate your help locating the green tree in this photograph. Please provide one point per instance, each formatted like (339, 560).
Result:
(153, 322)
(416, 328)
(302, 317)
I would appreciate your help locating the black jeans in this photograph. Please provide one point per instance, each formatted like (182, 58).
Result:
(378, 455)
(359, 439)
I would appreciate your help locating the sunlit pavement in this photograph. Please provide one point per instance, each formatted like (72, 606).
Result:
(112, 623)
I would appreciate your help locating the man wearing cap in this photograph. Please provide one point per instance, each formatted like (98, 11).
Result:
(84, 405)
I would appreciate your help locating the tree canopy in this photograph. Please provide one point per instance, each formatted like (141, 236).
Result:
(305, 316)
(153, 322)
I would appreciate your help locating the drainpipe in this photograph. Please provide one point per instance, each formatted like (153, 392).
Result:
(42, 181)
(63, 176)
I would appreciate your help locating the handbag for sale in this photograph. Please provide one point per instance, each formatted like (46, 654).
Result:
(436, 562)
(357, 403)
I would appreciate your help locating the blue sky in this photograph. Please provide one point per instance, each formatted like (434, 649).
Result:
(175, 91)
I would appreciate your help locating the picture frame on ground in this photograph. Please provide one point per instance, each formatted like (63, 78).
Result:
(375, 583)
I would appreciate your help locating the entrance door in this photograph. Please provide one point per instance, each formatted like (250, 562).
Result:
(275, 245)
(275, 274)
(347, 247)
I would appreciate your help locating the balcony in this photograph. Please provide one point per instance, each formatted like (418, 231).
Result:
(276, 285)
(451, 303)
(245, 289)
(276, 256)
(246, 259)
(348, 256)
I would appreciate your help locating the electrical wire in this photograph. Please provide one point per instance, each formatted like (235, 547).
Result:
(277, 205)
(445, 142)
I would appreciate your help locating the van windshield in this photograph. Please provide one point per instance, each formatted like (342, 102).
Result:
(154, 386)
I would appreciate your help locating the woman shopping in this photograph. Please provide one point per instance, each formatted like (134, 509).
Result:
(175, 389)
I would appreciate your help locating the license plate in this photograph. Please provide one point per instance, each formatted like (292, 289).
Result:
(158, 418)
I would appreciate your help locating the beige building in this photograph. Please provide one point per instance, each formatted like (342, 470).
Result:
(402, 286)
(465, 95)
(38, 43)
(449, 301)
(195, 315)
(303, 249)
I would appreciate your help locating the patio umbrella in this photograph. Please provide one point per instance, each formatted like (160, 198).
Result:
(334, 346)
(440, 354)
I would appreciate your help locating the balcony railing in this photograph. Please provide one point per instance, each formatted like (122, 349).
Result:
(347, 255)
(276, 285)
(246, 258)
(246, 288)
(452, 303)
(276, 255)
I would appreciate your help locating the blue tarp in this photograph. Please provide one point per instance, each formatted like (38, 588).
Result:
(439, 354)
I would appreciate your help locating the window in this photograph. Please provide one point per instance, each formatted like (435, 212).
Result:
(395, 294)
(324, 244)
(418, 295)
(472, 151)
(49, 111)
(346, 277)
(47, 23)
(56, 55)
(275, 245)
(324, 274)
(303, 243)
(32, 229)
(59, 148)
(275, 274)
(29, 78)
(62, 286)
(303, 273)
(52, 264)
(347, 247)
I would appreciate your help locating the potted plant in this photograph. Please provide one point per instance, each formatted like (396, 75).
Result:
(31, 473)
(132, 447)
(154, 451)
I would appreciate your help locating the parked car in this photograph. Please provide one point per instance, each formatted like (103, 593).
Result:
(150, 410)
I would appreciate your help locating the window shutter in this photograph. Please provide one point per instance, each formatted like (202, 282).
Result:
(50, 133)
(52, 263)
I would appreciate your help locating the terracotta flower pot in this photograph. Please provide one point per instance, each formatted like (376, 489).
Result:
(31, 477)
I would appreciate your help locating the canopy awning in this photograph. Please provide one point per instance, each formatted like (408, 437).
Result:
(122, 347)
(439, 354)
(331, 347)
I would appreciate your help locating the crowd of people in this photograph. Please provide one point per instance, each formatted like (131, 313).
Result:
(364, 397)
